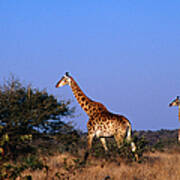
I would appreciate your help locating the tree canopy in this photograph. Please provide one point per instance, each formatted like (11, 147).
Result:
(26, 111)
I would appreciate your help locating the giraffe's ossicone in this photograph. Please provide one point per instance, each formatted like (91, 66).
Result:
(102, 123)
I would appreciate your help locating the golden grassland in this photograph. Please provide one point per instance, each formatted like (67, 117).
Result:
(153, 166)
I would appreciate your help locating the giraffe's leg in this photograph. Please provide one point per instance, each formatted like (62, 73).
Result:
(103, 141)
(89, 141)
(119, 139)
(89, 145)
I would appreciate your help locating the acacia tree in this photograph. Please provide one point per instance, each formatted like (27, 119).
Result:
(26, 112)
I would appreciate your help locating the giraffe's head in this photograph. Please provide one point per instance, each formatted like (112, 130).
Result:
(65, 80)
(175, 102)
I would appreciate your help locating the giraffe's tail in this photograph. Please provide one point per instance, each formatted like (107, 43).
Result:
(129, 138)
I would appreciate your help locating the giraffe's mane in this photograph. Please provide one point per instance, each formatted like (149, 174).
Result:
(101, 105)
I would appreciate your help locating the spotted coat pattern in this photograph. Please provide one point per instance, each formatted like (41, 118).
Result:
(176, 102)
(102, 123)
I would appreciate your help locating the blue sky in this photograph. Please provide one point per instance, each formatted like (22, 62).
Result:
(125, 54)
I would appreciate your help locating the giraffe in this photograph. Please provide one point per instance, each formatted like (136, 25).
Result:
(102, 123)
(176, 102)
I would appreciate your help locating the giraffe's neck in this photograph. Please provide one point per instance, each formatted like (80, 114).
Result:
(89, 106)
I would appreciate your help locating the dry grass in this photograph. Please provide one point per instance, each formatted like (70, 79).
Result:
(154, 166)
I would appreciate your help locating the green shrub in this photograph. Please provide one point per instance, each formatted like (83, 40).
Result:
(27, 114)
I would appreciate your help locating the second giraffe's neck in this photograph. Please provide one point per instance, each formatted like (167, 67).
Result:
(89, 106)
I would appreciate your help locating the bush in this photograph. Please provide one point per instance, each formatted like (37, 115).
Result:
(25, 115)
